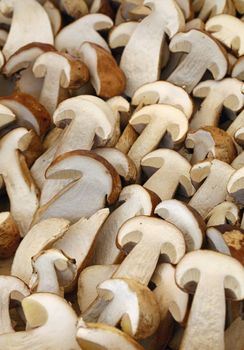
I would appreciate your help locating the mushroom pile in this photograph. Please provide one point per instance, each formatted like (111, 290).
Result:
(122, 174)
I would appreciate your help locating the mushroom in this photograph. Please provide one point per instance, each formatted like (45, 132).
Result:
(239, 5)
(107, 78)
(238, 69)
(54, 16)
(210, 142)
(209, 8)
(223, 213)
(14, 288)
(9, 235)
(141, 57)
(102, 336)
(195, 23)
(30, 23)
(205, 326)
(6, 116)
(186, 8)
(216, 241)
(28, 112)
(51, 323)
(236, 124)
(22, 192)
(74, 8)
(152, 122)
(127, 139)
(120, 35)
(235, 185)
(88, 281)
(213, 190)
(79, 240)
(71, 37)
(218, 94)
(163, 92)
(228, 30)
(167, 167)
(40, 236)
(58, 70)
(134, 200)
(203, 54)
(92, 183)
(186, 219)
(48, 266)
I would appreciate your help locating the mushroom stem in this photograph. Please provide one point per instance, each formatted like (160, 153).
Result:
(146, 254)
(206, 332)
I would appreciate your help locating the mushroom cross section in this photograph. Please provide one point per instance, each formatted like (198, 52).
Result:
(169, 296)
(235, 185)
(152, 122)
(58, 70)
(52, 271)
(120, 35)
(10, 287)
(30, 23)
(9, 235)
(51, 323)
(21, 189)
(165, 93)
(134, 200)
(6, 116)
(93, 183)
(211, 142)
(39, 237)
(217, 94)
(222, 214)
(229, 30)
(203, 53)
(188, 221)
(205, 326)
(166, 170)
(151, 238)
(238, 69)
(71, 37)
(209, 8)
(141, 57)
(105, 337)
(213, 190)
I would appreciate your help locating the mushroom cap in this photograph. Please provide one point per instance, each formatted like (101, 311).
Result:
(187, 219)
(6, 116)
(196, 263)
(164, 92)
(97, 335)
(168, 236)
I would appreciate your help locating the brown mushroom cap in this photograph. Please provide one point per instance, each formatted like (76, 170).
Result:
(9, 235)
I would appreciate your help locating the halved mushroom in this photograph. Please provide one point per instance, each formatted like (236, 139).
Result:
(54, 16)
(167, 167)
(107, 78)
(30, 23)
(165, 93)
(94, 335)
(236, 124)
(52, 271)
(22, 191)
(204, 53)
(88, 282)
(228, 30)
(195, 23)
(51, 323)
(210, 8)
(153, 122)
(79, 240)
(120, 35)
(188, 221)
(127, 139)
(74, 8)
(92, 183)
(239, 136)
(223, 213)
(28, 111)
(10, 288)
(238, 162)
(102, 6)
(134, 200)
(186, 8)
(213, 191)
(235, 185)
(141, 58)
(58, 70)
(71, 37)
(39, 237)
(218, 94)
(9, 235)
(6, 116)
(210, 142)
(216, 242)
(238, 69)
(208, 308)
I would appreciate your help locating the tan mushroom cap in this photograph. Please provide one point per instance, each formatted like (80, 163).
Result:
(96, 335)
(106, 77)
(9, 235)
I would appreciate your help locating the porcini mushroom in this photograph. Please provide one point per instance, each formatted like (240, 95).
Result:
(210, 8)
(205, 326)
(203, 53)
(223, 213)
(166, 170)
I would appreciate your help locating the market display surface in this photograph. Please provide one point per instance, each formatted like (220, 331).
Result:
(121, 175)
